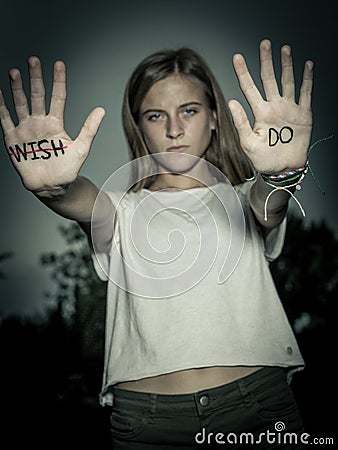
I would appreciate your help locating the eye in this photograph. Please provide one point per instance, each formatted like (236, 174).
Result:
(190, 111)
(154, 117)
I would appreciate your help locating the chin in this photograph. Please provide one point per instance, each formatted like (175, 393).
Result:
(176, 162)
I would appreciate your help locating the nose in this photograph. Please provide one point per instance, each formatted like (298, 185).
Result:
(174, 127)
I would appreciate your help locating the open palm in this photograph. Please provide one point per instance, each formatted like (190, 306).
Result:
(280, 136)
(41, 151)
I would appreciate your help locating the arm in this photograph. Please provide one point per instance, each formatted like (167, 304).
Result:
(277, 206)
(281, 133)
(76, 202)
(47, 160)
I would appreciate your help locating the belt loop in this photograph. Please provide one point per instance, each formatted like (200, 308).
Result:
(153, 398)
(246, 396)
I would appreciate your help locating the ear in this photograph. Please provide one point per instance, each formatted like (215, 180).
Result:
(213, 121)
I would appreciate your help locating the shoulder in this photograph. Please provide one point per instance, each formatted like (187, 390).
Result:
(126, 199)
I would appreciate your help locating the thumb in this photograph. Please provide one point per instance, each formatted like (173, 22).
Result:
(91, 126)
(240, 119)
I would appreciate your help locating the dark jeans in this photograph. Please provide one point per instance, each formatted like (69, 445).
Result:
(256, 411)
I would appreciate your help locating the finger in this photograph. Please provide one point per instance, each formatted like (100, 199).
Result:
(241, 121)
(246, 82)
(58, 100)
(37, 87)
(267, 71)
(90, 127)
(5, 117)
(306, 87)
(288, 81)
(19, 96)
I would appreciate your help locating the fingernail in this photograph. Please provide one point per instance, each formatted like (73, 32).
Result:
(310, 65)
(287, 49)
(12, 74)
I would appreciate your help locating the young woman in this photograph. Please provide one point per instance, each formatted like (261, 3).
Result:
(191, 357)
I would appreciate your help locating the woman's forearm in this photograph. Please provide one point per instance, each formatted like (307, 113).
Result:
(75, 201)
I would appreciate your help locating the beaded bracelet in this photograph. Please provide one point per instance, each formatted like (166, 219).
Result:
(285, 177)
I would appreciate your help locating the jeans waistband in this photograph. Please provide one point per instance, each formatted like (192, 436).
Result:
(234, 391)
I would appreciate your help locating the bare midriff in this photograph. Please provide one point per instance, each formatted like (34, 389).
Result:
(188, 381)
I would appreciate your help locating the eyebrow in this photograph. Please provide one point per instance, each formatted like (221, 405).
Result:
(181, 106)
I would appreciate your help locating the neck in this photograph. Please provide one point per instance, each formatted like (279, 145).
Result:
(198, 177)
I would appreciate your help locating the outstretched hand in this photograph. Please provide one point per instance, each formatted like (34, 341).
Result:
(280, 136)
(43, 154)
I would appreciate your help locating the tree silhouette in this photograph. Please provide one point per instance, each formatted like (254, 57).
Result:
(80, 297)
(55, 366)
(306, 276)
(306, 273)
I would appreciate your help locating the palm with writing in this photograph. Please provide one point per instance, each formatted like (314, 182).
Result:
(275, 113)
(41, 174)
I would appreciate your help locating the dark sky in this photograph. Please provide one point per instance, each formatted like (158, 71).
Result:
(101, 43)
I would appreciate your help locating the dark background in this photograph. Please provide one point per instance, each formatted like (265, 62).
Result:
(51, 331)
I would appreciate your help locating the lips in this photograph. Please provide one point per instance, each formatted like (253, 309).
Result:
(179, 148)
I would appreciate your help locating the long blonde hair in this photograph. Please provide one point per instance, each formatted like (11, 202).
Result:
(224, 150)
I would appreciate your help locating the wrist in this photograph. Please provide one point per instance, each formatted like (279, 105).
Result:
(55, 192)
(281, 187)
(288, 177)
(261, 189)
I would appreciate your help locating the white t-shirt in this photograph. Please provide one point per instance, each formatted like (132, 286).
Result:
(189, 286)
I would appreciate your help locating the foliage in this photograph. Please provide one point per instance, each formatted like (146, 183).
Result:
(72, 270)
(306, 273)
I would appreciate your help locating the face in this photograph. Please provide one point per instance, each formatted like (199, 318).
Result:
(175, 119)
